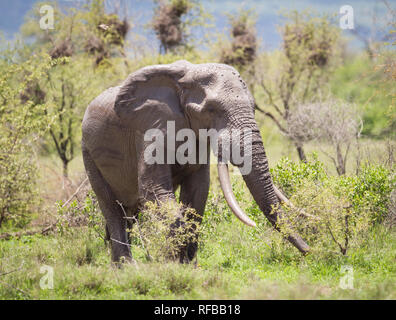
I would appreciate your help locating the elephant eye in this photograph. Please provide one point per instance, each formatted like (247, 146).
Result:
(210, 108)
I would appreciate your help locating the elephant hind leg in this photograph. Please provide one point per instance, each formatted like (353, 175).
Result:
(116, 223)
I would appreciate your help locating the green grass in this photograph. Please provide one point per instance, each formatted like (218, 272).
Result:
(234, 262)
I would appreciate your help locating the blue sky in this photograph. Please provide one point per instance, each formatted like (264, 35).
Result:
(267, 11)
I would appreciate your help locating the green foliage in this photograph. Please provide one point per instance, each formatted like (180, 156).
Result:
(161, 231)
(340, 217)
(22, 122)
(89, 45)
(233, 263)
(80, 214)
(290, 175)
(337, 211)
(329, 222)
(372, 187)
(67, 93)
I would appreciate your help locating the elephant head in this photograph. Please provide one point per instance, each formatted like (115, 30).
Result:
(207, 96)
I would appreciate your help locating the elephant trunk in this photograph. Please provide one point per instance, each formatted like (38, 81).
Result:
(259, 183)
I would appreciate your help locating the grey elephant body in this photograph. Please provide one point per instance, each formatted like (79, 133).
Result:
(114, 148)
(205, 96)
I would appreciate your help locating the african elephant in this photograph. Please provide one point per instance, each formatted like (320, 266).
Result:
(193, 96)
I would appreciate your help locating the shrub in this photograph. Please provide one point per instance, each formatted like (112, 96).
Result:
(81, 213)
(22, 122)
(372, 187)
(334, 212)
(289, 175)
(162, 231)
(330, 221)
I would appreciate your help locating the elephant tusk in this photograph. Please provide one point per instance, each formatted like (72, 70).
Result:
(229, 195)
(282, 198)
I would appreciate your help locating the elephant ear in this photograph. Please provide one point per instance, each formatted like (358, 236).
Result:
(151, 89)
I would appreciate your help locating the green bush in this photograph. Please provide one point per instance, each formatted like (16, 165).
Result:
(372, 187)
(22, 122)
(162, 231)
(290, 175)
(78, 214)
(326, 218)
(334, 211)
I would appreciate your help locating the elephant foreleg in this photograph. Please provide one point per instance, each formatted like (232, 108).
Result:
(193, 194)
(155, 185)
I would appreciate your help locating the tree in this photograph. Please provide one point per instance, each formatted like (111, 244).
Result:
(389, 69)
(106, 33)
(241, 53)
(67, 94)
(65, 89)
(303, 67)
(172, 21)
(86, 30)
(334, 122)
(373, 36)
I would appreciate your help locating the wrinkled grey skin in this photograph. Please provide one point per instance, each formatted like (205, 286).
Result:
(199, 96)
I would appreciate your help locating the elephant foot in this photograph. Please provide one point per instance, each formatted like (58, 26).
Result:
(188, 253)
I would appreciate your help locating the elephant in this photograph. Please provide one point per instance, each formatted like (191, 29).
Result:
(192, 96)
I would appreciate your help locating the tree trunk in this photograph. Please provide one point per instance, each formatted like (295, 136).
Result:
(65, 170)
(340, 162)
(301, 152)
